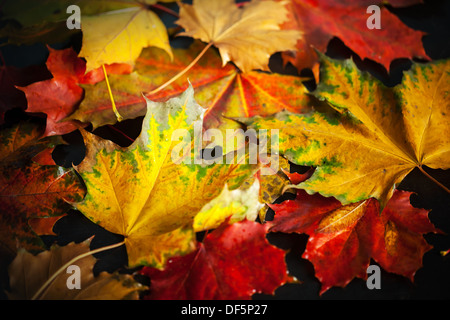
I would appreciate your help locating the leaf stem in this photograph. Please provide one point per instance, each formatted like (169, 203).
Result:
(119, 117)
(433, 179)
(64, 267)
(182, 72)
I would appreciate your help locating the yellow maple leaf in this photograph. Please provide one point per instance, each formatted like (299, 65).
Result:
(119, 36)
(378, 134)
(141, 193)
(247, 36)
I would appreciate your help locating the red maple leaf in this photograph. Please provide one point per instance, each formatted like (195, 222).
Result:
(59, 97)
(321, 20)
(233, 262)
(343, 239)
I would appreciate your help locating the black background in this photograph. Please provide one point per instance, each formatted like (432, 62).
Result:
(431, 282)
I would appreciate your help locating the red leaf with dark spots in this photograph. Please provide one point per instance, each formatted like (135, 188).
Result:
(31, 192)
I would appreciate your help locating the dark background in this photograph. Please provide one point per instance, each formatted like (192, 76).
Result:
(431, 282)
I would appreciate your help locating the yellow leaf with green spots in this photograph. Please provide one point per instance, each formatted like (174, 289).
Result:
(374, 136)
(144, 193)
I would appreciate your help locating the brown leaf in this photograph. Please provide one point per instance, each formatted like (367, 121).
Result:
(240, 34)
(29, 273)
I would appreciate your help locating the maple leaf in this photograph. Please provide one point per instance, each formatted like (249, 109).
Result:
(321, 20)
(120, 36)
(380, 135)
(31, 191)
(343, 239)
(225, 92)
(56, 97)
(59, 97)
(29, 23)
(141, 193)
(226, 265)
(240, 34)
(44, 276)
(232, 205)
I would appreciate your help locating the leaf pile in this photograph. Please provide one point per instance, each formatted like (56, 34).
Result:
(195, 227)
